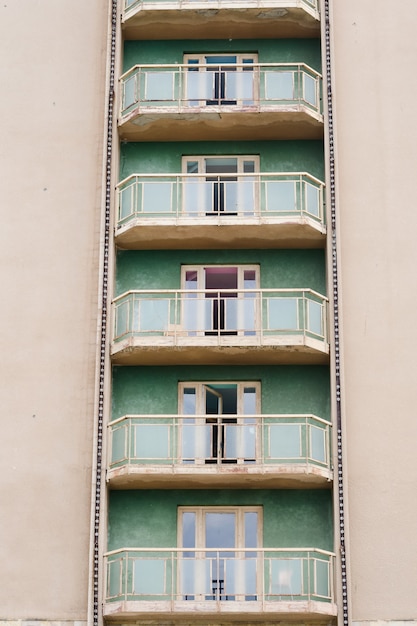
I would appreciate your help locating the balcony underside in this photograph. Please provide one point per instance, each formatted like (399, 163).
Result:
(219, 351)
(220, 123)
(147, 234)
(292, 610)
(242, 476)
(238, 22)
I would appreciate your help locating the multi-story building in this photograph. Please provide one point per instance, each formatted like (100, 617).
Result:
(208, 313)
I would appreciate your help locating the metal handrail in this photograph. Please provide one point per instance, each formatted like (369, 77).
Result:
(153, 87)
(238, 196)
(177, 440)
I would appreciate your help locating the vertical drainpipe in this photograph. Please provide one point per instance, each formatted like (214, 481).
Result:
(336, 335)
(104, 304)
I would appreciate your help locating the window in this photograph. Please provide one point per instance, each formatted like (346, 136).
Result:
(220, 423)
(218, 300)
(219, 558)
(220, 191)
(220, 79)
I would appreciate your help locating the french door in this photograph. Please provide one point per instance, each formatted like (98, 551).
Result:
(219, 559)
(220, 79)
(218, 301)
(219, 190)
(219, 423)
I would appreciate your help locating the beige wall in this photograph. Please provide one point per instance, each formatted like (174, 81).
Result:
(53, 56)
(375, 93)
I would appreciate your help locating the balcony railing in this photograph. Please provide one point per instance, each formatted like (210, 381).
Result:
(216, 4)
(263, 580)
(183, 88)
(252, 316)
(200, 442)
(269, 198)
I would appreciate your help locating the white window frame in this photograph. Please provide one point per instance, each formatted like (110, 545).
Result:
(201, 176)
(200, 549)
(202, 64)
(241, 269)
(202, 421)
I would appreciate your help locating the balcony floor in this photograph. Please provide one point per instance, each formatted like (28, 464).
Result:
(171, 234)
(219, 351)
(241, 612)
(220, 123)
(235, 476)
(199, 22)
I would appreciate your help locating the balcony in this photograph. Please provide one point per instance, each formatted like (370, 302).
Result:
(234, 101)
(235, 585)
(264, 451)
(166, 327)
(243, 211)
(220, 19)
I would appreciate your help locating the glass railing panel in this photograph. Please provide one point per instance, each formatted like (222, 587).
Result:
(204, 86)
(322, 578)
(285, 442)
(280, 196)
(119, 439)
(152, 442)
(282, 314)
(279, 85)
(273, 575)
(312, 199)
(318, 444)
(315, 317)
(195, 441)
(157, 197)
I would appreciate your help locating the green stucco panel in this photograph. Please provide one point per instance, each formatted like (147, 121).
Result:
(291, 518)
(279, 269)
(268, 50)
(274, 156)
(284, 388)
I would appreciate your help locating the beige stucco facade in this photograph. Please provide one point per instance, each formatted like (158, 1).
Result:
(53, 72)
(375, 163)
(53, 63)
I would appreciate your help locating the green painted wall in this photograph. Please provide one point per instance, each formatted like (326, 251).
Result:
(279, 269)
(269, 50)
(275, 156)
(284, 388)
(292, 518)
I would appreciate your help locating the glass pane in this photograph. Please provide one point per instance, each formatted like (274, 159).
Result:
(285, 441)
(221, 165)
(200, 86)
(118, 444)
(148, 576)
(251, 529)
(196, 441)
(154, 315)
(249, 400)
(282, 314)
(189, 401)
(122, 317)
(280, 196)
(231, 308)
(159, 86)
(245, 196)
(194, 313)
(322, 578)
(279, 85)
(314, 317)
(114, 578)
(152, 441)
(310, 91)
(220, 530)
(239, 86)
(195, 196)
(318, 444)
(126, 202)
(157, 197)
(188, 529)
(312, 195)
(129, 92)
(286, 577)
(194, 577)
